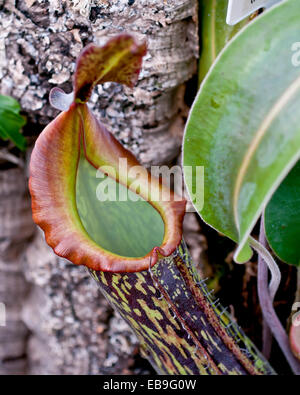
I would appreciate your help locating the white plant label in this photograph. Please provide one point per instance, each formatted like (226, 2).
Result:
(240, 9)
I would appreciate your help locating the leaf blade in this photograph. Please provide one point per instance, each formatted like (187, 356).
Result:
(11, 121)
(282, 219)
(231, 108)
(216, 33)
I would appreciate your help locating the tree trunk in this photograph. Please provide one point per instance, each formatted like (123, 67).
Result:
(71, 327)
(16, 228)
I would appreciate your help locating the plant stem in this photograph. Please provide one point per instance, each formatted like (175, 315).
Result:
(271, 264)
(266, 301)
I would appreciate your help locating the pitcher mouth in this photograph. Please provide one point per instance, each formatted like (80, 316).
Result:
(54, 170)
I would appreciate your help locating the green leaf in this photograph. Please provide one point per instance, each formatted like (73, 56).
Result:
(215, 32)
(9, 103)
(11, 121)
(282, 219)
(244, 127)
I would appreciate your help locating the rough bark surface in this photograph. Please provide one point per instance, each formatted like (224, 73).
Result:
(72, 329)
(39, 43)
(70, 321)
(16, 229)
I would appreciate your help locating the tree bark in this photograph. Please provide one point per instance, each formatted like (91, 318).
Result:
(71, 327)
(40, 41)
(16, 229)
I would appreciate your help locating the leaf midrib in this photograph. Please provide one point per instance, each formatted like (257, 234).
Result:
(261, 132)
